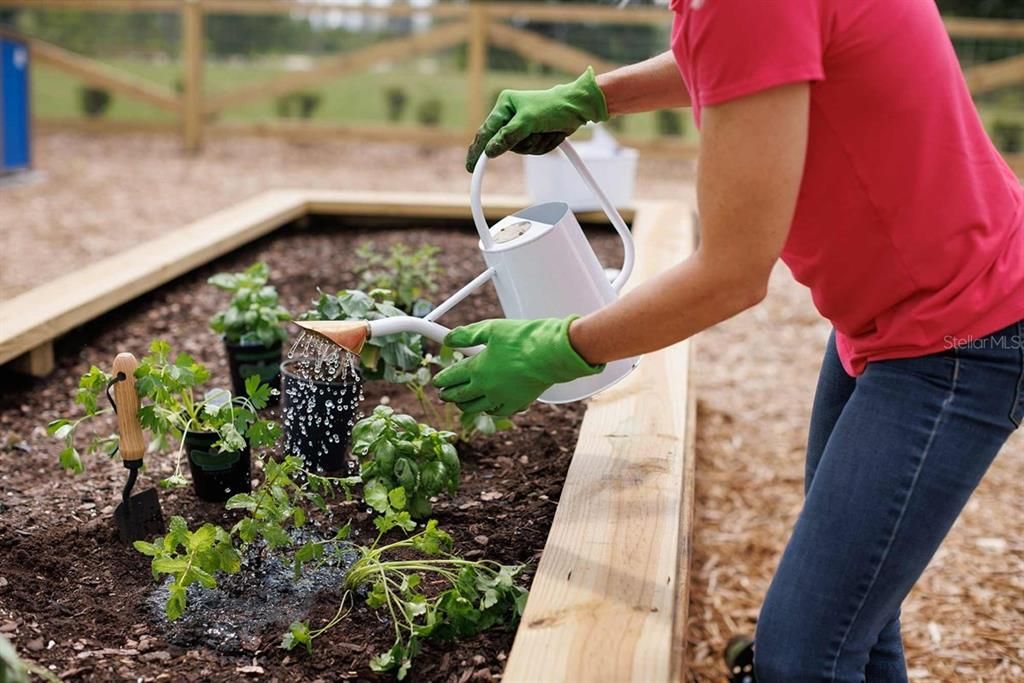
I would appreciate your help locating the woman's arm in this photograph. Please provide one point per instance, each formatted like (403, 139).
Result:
(647, 86)
(751, 163)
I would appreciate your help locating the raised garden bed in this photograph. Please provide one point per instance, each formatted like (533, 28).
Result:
(67, 580)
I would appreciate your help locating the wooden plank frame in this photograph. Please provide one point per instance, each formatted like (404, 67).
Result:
(39, 316)
(100, 75)
(609, 599)
(331, 68)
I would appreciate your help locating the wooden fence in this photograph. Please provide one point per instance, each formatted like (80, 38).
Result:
(475, 24)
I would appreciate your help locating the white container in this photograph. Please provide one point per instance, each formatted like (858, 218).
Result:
(551, 178)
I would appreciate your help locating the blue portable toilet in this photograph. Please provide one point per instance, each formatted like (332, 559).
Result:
(15, 119)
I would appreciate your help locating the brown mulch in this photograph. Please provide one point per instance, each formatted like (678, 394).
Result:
(74, 600)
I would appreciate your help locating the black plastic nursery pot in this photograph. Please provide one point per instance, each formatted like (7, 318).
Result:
(245, 360)
(318, 417)
(216, 476)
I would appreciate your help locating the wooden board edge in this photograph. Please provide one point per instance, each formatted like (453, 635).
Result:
(668, 652)
(680, 624)
(448, 205)
(30, 319)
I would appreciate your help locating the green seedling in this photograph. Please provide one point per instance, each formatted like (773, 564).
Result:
(475, 596)
(253, 315)
(410, 276)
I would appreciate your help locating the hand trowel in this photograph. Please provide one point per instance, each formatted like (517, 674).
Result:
(138, 517)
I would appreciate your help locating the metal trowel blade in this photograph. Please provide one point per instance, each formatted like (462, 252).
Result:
(140, 518)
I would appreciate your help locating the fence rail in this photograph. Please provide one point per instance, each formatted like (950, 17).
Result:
(476, 24)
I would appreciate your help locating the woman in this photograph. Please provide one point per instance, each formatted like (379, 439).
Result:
(840, 136)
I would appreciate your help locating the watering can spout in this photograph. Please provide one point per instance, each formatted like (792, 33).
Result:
(350, 335)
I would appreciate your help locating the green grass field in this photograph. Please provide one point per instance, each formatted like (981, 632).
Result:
(362, 98)
(359, 98)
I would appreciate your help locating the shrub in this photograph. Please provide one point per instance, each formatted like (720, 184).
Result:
(429, 112)
(396, 103)
(1008, 136)
(670, 123)
(253, 315)
(94, 101)
(298, 104)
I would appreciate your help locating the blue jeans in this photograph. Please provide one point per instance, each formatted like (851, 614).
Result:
(892, 457)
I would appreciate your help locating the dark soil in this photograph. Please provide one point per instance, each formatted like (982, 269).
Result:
(75, 600)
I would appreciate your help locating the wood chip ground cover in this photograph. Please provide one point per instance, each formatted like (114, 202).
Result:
(67, 581)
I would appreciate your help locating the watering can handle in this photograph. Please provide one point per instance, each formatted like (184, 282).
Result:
(567, 150)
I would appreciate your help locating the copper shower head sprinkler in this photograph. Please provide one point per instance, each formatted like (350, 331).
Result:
(350, 335)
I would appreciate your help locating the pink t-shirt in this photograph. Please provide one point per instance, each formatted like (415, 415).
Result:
(909, 227)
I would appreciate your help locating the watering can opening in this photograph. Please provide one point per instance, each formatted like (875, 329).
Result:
(350, 335)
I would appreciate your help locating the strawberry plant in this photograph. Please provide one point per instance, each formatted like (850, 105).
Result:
(410, 276)
(171, 407)
(475, 596)
(403, 464)
(253, 315)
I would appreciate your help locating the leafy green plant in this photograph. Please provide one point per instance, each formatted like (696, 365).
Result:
(670, 122)
(404, 463)
(170, 407)
(409, 275)
(190, 557)
(429, 112)
(476, 595)
(253, 315)
(298, 104)
(397, 99)
(1008, 136)
(281, 502)
(94, 101)
(383, 357)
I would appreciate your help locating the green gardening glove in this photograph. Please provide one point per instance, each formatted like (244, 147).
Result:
(537, 121)
(521, 360)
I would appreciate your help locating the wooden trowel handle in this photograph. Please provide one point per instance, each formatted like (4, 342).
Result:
(133, 445)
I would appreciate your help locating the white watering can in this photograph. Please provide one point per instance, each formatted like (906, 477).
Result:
(542, 266)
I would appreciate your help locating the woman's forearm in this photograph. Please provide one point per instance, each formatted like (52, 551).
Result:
(647, 86)
(673, 306)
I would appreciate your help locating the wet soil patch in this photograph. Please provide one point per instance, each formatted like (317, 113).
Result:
(75, 600)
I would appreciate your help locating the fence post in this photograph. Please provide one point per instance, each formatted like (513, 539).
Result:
(476, 65)
(192, 56)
